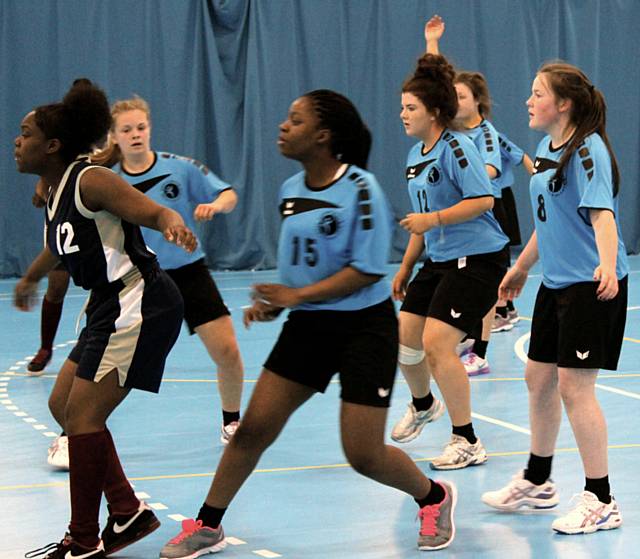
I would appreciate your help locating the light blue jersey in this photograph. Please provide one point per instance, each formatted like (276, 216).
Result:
(447, 174)
(347, 223)
(566, 239)
(181, 184)
(485, 138)
(511, 156)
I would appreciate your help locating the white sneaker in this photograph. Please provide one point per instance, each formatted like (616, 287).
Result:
(589, 516)
(475, 365)
(227, 431)
(460, 453)
(413, 421)
(520, 492)
(501, 324)
(465, 347)
(58, 453)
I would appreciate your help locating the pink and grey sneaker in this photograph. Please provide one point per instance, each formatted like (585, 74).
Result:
(437, 527)
(501, 324)
(475, 365)
(193, 541)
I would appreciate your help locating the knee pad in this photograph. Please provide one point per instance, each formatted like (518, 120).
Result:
(409, 356)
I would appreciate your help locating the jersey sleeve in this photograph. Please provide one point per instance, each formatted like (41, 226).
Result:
(489, 147)
(594, 178)
(371, 239)
(510, 151)
(466, 169)
(204, 185)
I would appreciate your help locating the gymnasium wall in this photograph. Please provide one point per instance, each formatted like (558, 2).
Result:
(220, 75)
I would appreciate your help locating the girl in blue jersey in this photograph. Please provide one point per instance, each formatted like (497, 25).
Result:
(452, 199)
(197, 194)
(133, 313)
(332, 254)
(580, 309)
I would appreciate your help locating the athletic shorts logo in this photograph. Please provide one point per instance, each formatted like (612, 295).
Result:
(455, 314)
(171, 190)
(384, 392)
(434, 176)
(328, 225)
(582, 356)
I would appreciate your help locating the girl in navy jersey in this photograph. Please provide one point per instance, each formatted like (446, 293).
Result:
(452, 199)
(197, 194)
(580, 310)
(133, 314)
(332, 254)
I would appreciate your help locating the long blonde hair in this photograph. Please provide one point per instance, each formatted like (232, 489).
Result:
(111, 154)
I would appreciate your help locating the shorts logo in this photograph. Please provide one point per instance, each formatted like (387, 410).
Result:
(582, 356)
(434, 176)
(384, 392)
(171, 190)
(455, 314)
(328, 225)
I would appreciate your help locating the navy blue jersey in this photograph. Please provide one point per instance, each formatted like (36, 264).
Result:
(347, 223)
(511, 156)
(566, 239)
(485, 138)
(96, 248)
(181, 184)
(447, 174)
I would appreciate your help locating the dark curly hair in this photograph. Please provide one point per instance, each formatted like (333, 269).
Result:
(432, 83)
(79, 121)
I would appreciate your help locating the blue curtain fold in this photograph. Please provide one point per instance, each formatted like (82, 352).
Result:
(221, 74)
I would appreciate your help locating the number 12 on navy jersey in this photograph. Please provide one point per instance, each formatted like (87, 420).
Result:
(65, 247)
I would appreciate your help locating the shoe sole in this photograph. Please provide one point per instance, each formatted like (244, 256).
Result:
(213, 549)
(453, 492)
(459, 466)
(143, 533)
(480, 372)
(521, 504)
(590, 530)
(437, 415)
(504, 328)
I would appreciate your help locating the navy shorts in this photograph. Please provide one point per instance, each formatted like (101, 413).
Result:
(573, 329)
(361, 345)
(131, 327)
(202, 300)
(459, 293)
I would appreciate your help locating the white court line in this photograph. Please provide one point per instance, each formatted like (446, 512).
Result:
(158, 506)
(518, 347)
(266, 553)
(501, 423)
(618, 391)
(234, 541)
(177, 517)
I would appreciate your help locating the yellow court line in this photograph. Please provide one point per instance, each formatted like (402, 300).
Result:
(297, 468)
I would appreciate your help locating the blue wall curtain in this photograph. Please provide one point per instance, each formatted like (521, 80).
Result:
(220, 75)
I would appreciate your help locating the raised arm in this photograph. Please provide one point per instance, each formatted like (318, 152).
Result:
(433, 31)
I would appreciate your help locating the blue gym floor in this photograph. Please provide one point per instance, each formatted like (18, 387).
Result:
(304, 501)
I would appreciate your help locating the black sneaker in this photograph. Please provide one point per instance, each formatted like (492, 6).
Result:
(67, 549)
(40, 361)
(122, 531)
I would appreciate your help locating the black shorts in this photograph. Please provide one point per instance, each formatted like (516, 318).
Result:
(573, 329)
(459, 296)
(505, 212)
(361, 345)
(202, 300)
(131, 327)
